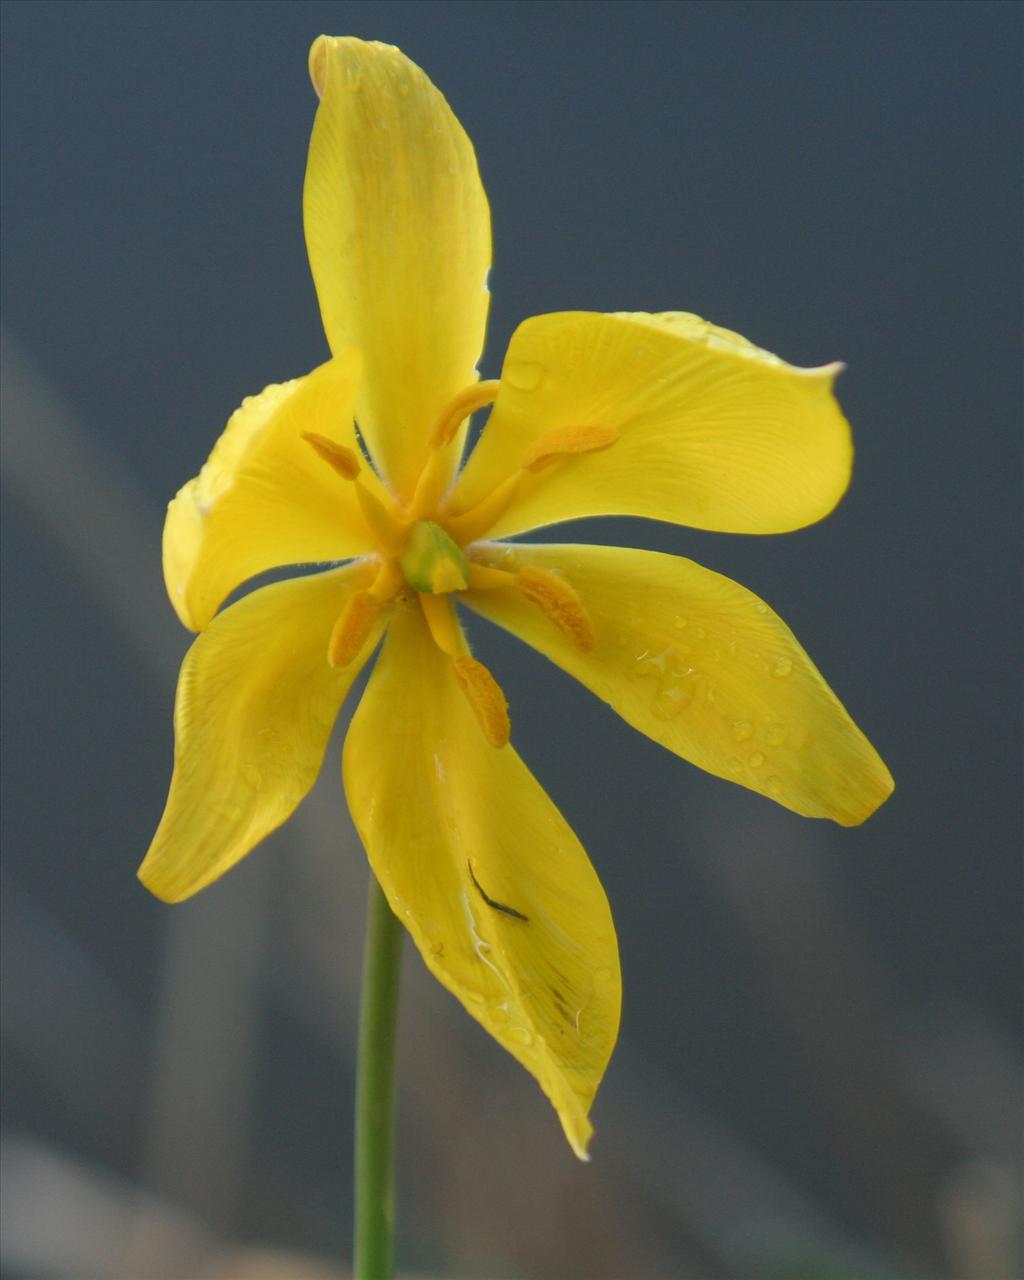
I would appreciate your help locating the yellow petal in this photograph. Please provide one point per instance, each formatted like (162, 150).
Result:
(265, 497)
(485, 873)
(704, 667)
(712, 431)
(255, 706)
(399, 240)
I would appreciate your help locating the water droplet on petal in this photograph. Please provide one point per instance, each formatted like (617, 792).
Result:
(761, 607)
(522, 1034)
(756, 759)
(742, 730)
(775, 735)
(523, 375)
(253, 777)
(679, 623)
(782, 666)
(671, 701)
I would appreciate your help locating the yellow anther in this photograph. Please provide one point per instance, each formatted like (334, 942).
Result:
(343, 460)
(559, 602)
(352, 629)
(458, 410)
(484, 695)
(441, 621)
(566, 442)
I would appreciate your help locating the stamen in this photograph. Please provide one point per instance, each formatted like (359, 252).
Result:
(383, 525)
(436, 471)
(343, 460)
(469, 525)
(441, 621)
(563, 442)
(567, 442)
(350, 632)
(484, 695)
(559, 602)
(457, 410)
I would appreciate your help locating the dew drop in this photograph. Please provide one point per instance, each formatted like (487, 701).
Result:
(761, 607)
(522, 375)
(756, 759)
(782, 666)
(522, 1034)
(775, 735)
(679, 623)
(253, 777)
(699, 633)
(650, 664)
(669, 702)
(742, 730)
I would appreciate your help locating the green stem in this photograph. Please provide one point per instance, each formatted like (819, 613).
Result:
(375, 1092)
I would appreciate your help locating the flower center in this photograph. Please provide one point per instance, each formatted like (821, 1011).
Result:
(435, 558)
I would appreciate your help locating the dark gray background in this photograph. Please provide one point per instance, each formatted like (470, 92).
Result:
(818, 1064)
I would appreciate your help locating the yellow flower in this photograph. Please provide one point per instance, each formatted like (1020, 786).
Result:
(663, 416)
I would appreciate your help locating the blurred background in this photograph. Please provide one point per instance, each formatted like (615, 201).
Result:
(819, 1069)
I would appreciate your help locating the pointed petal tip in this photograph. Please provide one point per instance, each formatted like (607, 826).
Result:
(885, 786)
(826, 372)
(318, 63)
(151, 880)
(580, 1148)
